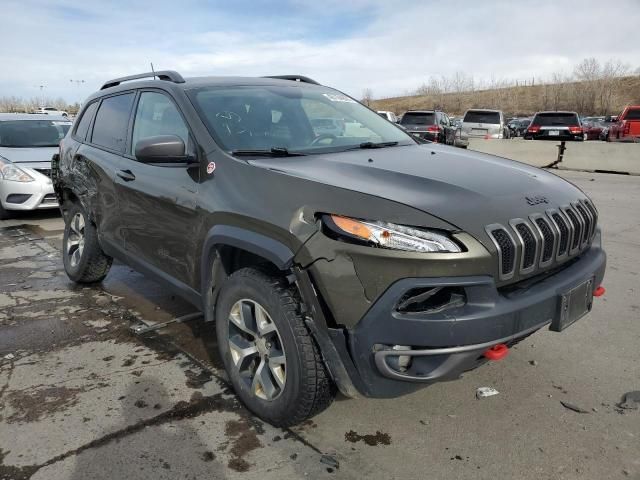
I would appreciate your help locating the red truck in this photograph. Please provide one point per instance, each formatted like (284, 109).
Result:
(627, 128)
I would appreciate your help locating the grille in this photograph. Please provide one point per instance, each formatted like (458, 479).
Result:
(547, 236)
(507, 250)
(575, 224)
(564, 233)
(44, 171)
(544, 239)
(529, 245)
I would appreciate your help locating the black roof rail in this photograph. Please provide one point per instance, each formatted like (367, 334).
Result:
(168, 75)
(294, 78)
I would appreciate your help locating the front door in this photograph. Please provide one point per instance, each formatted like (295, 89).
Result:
(158, 201)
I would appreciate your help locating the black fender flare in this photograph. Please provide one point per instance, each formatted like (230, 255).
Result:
(212, 269)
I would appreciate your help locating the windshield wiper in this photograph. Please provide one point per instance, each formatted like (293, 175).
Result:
(377, 145)
(272, 152)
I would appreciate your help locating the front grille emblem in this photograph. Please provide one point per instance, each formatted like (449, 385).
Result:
(536, 200)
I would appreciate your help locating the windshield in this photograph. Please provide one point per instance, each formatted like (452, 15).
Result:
(418, 118)
(556, 119)
(477, 116)
(296, 118)
(32, 133)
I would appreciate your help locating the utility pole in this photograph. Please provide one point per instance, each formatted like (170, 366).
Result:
(41, 96)
(78, 83)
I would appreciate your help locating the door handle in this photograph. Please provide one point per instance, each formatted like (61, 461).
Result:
(126, 175)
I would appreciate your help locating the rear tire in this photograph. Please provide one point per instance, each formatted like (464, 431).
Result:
(273, 362)
(83, 258)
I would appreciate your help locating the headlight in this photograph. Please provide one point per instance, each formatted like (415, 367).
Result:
(10, 171)
(390, 235)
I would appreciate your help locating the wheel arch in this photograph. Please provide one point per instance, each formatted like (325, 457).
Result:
(227, 248)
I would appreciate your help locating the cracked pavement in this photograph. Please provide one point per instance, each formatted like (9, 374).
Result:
(81, 397)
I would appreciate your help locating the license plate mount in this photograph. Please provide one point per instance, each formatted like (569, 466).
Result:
(573, 305)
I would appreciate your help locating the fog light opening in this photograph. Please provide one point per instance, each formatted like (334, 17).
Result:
(431, 299)
(400, 363)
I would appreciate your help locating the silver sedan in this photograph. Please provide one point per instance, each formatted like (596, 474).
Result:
(27, 143)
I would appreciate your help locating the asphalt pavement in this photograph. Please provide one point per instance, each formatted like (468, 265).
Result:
(81, 397)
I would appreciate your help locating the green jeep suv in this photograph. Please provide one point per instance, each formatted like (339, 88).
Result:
(356, 260)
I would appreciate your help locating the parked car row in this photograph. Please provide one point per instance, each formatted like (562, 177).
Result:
(437, 126)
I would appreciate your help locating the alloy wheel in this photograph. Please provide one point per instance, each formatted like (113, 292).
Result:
(75, 239)
(256, 349)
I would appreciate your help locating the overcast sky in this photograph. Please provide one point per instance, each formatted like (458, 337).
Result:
(390, 47)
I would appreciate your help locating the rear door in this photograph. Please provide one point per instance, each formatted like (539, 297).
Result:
(97, 159)
(158, 201)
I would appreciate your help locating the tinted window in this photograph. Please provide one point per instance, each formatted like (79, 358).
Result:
(85, 121)
(418, 118)
(32, 133)
(478, 116)
(157, 115)
(556, 119)
(633, 114)
(110, 127)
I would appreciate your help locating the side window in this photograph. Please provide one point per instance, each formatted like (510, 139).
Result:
(157, 115)
(85, 121)
(110, 127)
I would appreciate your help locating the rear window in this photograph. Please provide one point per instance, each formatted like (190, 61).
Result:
(85, 121)
(416, 118)
(110, 126)
(473, 116)
(633, 114)
(32, 133)
(555, 119)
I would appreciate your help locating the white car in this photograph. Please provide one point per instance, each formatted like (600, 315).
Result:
(27, 143)
(51, 111)
(388, 115)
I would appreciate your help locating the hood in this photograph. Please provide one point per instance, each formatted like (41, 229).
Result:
(464, 188)
(36, 155)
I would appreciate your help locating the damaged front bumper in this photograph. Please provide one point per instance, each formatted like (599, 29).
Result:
(392, 350)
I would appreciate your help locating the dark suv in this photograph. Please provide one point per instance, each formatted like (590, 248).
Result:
(362, 261)
(431, 125)
(555, 126)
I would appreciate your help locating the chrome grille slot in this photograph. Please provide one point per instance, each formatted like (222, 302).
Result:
(506, 250)
(528, 243)
(576, 228)
(565, 233)
(594, 214)
(586, 218)
(548, 239)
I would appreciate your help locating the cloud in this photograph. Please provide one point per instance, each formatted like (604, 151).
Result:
(390, 47)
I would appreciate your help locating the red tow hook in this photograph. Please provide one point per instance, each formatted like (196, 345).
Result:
(497, 352)
(600, 291)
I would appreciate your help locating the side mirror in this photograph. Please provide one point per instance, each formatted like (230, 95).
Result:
(161, 149)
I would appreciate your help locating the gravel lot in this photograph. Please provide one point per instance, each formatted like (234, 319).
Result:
(83, 398)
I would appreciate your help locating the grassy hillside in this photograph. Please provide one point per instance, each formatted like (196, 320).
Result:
(586, 98)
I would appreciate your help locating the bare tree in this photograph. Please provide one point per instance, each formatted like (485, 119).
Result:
(367, 96)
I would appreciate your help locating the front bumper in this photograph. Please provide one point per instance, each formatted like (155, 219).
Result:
(445, 344)
(34, 195)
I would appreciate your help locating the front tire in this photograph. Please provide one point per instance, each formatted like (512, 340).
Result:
(273, 362)
(83, 258)
(5, 214)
